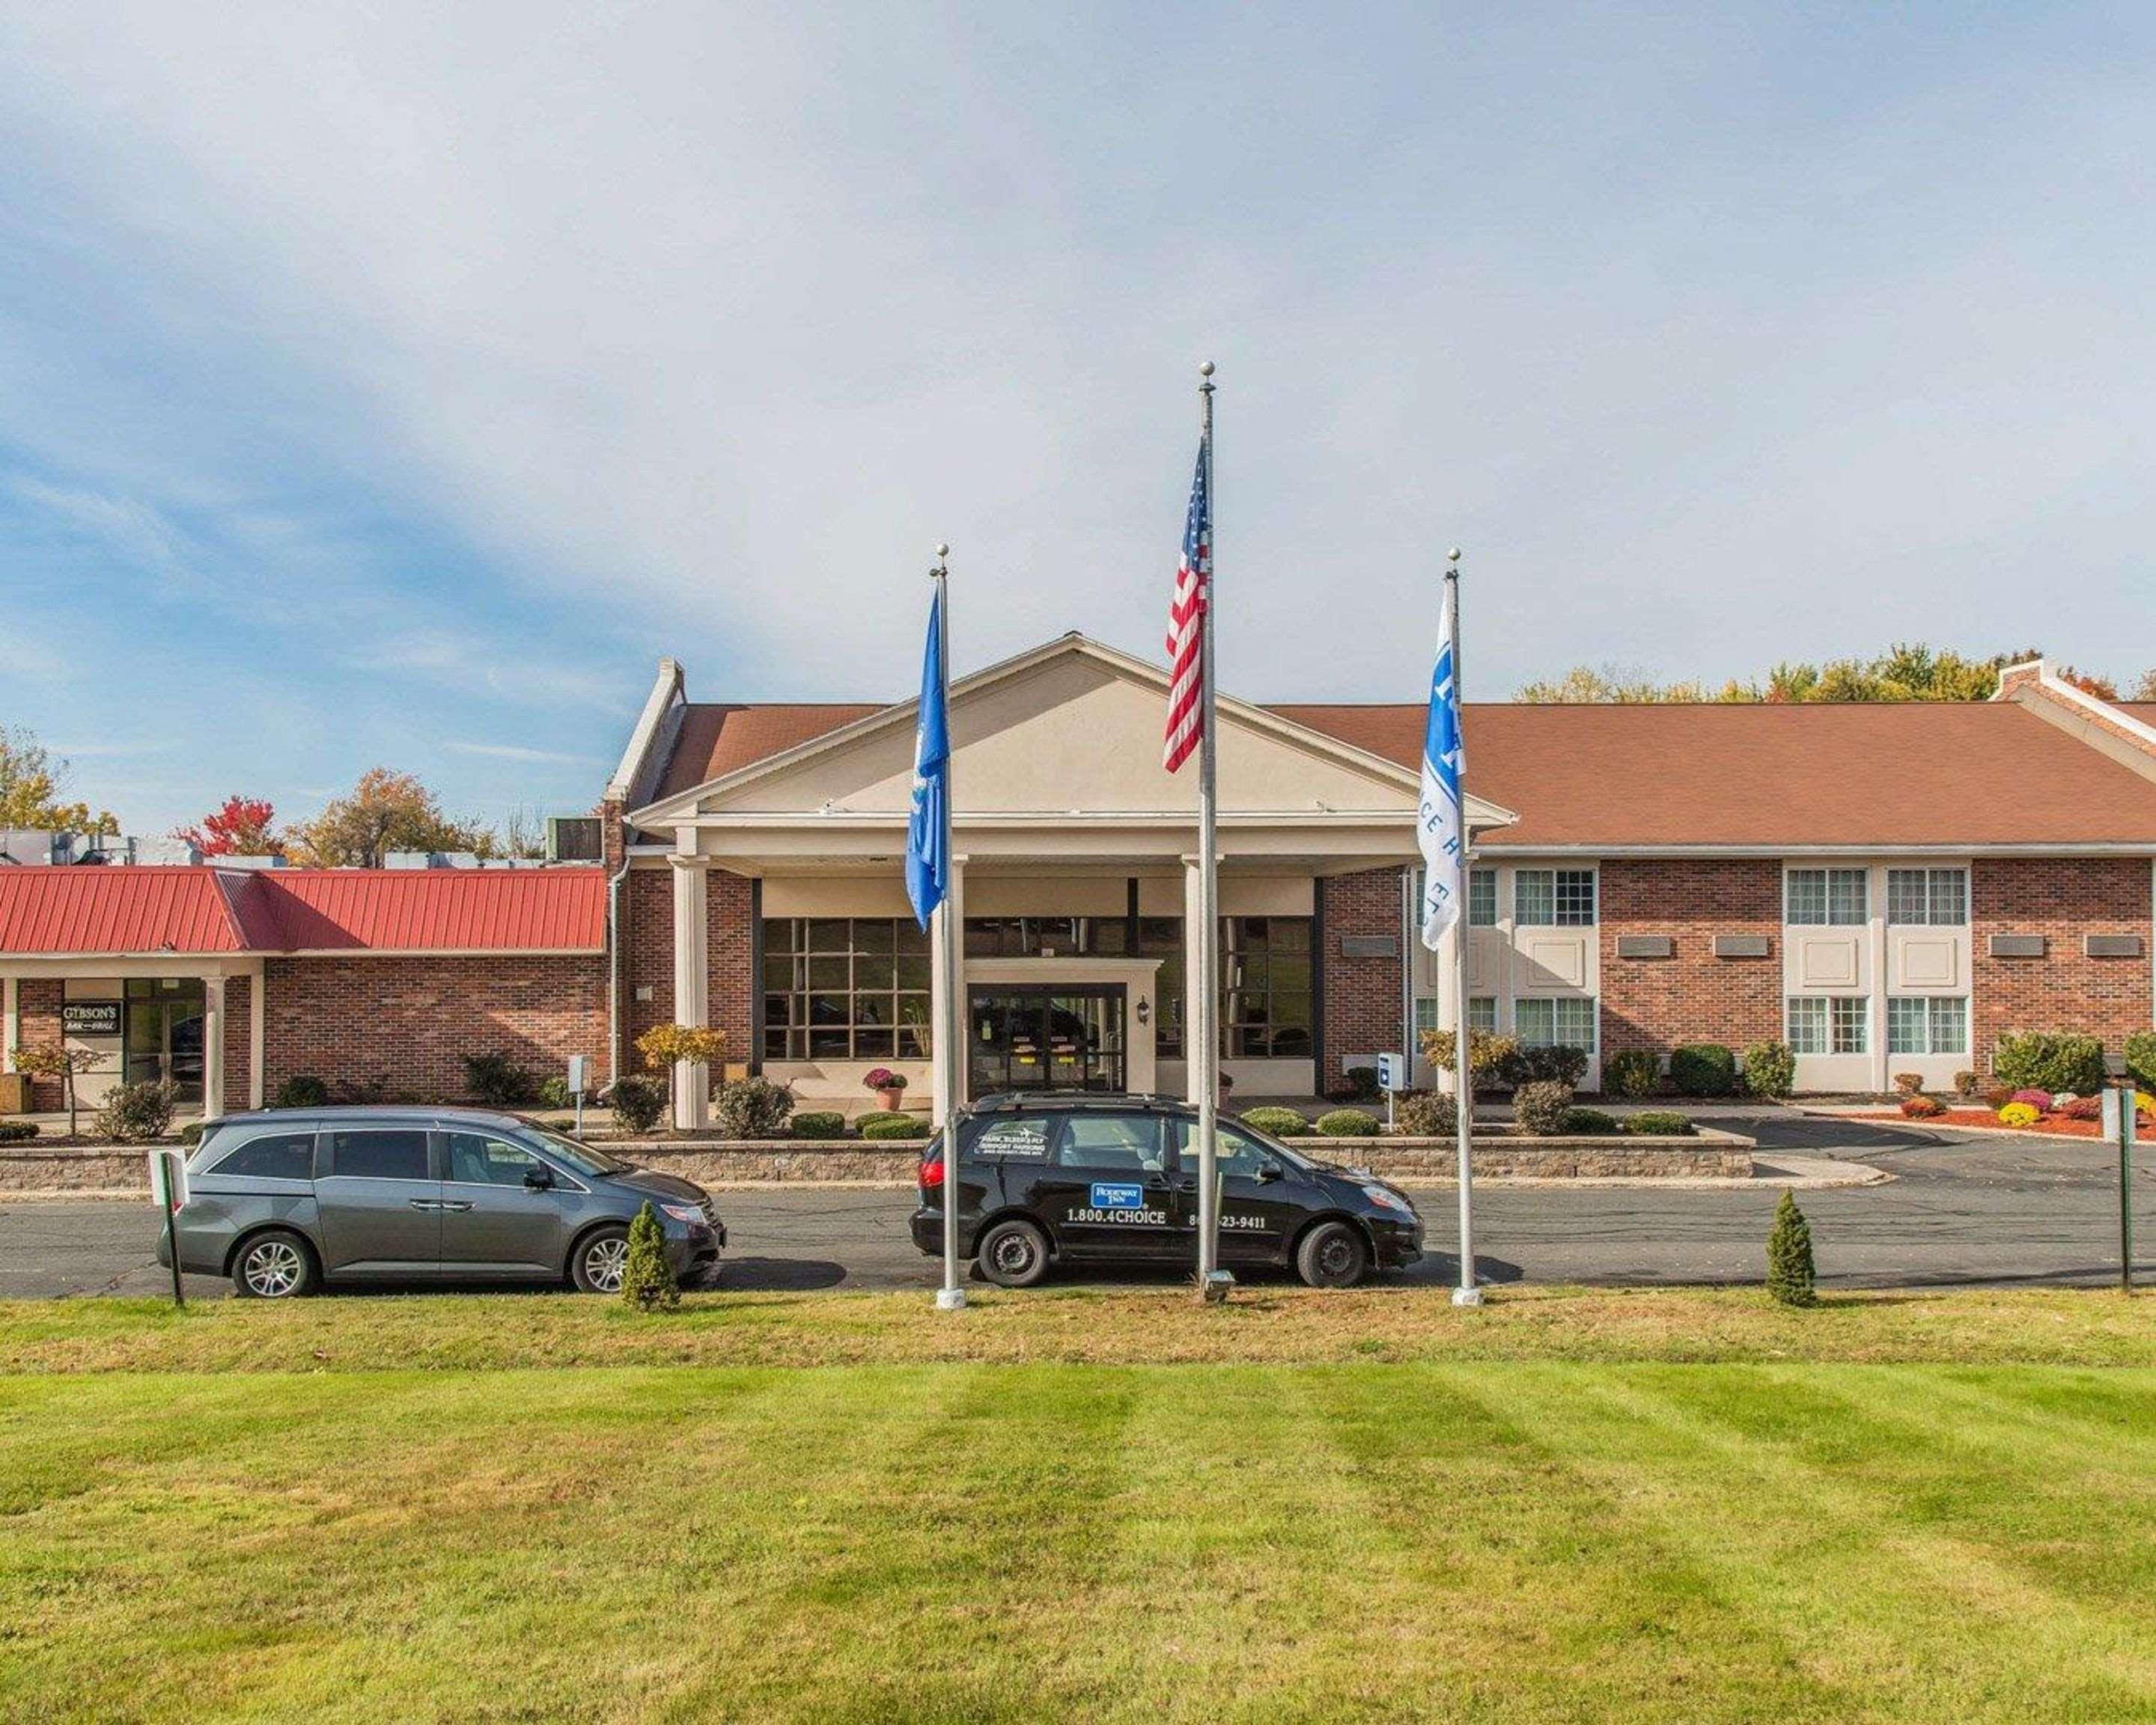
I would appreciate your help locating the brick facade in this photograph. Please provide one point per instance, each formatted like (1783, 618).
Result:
(2061, 899)
(648, 958)
(238, 1065)
(1361, 997)
(406, 1023)
(39, 1000)
(1691, 996)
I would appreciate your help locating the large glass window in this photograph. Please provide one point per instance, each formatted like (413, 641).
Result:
(1936, 896)
(1919, 1024)
(1483, 898)
(1266, 988)
(1563, 1023)
(1826, 897)
(1162, 937)
(1051, 937)
(845, 988)
(1562, 898)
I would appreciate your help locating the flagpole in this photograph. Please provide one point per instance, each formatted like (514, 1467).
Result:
(1211, 1283)
(1467, 1293)
(951, 1295)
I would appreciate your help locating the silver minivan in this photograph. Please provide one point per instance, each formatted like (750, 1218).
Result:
(288, 1200)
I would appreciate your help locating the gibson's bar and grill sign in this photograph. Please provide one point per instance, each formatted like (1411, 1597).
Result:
(90, 1018)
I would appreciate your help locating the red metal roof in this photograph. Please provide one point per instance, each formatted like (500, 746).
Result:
(211, 910)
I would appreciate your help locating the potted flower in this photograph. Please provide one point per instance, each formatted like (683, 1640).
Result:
(890, 1087)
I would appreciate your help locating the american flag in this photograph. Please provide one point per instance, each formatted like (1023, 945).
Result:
(1186, 627)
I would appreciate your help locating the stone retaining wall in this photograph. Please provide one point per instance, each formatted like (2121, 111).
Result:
(74, 1167)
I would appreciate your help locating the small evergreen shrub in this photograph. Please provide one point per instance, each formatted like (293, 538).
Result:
(135, 1113)
(497, 1080)
(1791, 1276)
(751, 1108)
(1659, 1123)
(1633, 1071)
(1919, 1107)
(17, 1131)
(879, 1126)
(647, 1278)
(555, 1093)
(819, 1123)
(2141, 1059)
(1587, 1123)
(1703, 1068)
(2018, 1114)
(2050, 1060)
(1770, 1068)
(1540, 1105)
(638, 1102)
(1359, 1084)
(1908, 1083)
(1557, 1064)
(1280, 1123)
(303, 1089)
(1347, 1123)
(1428, 1114)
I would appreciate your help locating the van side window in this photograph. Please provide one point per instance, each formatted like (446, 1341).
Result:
(1125, 1144)
(476, 1159)
(1019, 1140)
(379, 1156)
(272, 1156)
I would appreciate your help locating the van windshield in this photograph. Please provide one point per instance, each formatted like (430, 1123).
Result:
(581, 1157)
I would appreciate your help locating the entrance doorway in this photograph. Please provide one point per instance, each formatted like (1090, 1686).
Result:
(1047, 1037)
(163, 1037)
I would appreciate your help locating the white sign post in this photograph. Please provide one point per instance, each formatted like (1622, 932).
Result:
(576, 1089)
(168, 1186)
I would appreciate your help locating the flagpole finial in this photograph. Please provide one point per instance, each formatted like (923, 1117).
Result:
(944, 550)
(1453, 555)
(1205, 368)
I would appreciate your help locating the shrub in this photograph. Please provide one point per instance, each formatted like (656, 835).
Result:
(2084, 1108)
(1540, 1106)
(1659, 1123)
(1587, 1123)
(638, 1102)
(647, 1278)
(303, 1089)
(1964, 1084)
(1791, 1277)
(56, 1060)
(1997, 1096)
(1770, 1068)
(555, 1093)
(1347, 1123)
(1633, 1071)
(497, 1080)
(894, 1125)
(135, 1113)
(751, 1108)
(1908, 1083)
(1920, 1107)
(1429, 1114)
(883, 1078)
(362, 1090)
(1358, 1084)
(1559, 1063)
(1492, 1061)
(2018, 1114)
(1703, 1068)
(2039, 1100)
(1280, 1123)
(818, 1124)
(17, 1131)
(2141, 1059)
(664, 1045)
(191, 1134)
(2050, 1060)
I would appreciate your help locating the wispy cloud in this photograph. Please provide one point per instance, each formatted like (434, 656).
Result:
(510, 751)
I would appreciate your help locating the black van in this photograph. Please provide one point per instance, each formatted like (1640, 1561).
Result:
(1114, 1180)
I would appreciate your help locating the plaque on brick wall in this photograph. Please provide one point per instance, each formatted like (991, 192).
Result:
(2111, 946)
(2016, 946)
(1642, 946)
(1370, 946)
(1737, 946)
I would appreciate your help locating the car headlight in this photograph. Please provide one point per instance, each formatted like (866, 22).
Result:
(684, 1213)
(1388, 1200)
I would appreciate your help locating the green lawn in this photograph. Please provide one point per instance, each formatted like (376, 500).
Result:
(1552, 1529)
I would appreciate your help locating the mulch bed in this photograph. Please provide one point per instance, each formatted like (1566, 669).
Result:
(2050, 1125)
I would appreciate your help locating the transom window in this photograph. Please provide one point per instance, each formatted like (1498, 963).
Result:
(1828, 1024)
(1937, 896)
(1826, 897)
(1561, 898)
(1030, 937)
(1927, 1024)
(845, 988)
(1567, 1022)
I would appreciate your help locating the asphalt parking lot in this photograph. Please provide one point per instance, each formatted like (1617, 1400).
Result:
(1955, 1210)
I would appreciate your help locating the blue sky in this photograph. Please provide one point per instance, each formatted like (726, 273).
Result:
(396, 385)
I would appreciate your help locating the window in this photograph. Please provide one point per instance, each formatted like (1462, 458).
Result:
(1820, 897)
(1125, 1142)
(1917, 1024)
(379, 1156)
(1483, 898)
(1014, 1140)
(1822, 1024)
(1937, 896)
(1030, 937)
(1568, 1022)
(272, 1156)
(845, 988)
(1807, 1023)
(477, 1160)
(1849, 1022)
(1562, 898)
(1162, 937)
(1481, 1013)
(1266, 988)
(1236, 1153)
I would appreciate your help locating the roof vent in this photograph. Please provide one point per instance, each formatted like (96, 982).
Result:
(576, 838)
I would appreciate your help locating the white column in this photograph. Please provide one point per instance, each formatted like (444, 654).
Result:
(943, 988)
(11, 1021)
(258, 1020)
(1876, 903)
(1201, 1007)
(213, 1048)
(692, 985)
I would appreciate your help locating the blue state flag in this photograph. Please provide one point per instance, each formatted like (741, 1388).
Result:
(927, 852)
(1441, 826)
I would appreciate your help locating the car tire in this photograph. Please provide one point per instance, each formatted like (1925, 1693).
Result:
(596, 1265)
(274, 1265)
(1332, 1254)
(1013, 1254)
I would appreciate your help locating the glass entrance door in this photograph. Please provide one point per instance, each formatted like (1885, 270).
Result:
(1042, 1037)
(163, 1035)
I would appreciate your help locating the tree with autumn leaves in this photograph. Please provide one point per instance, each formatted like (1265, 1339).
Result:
(385, 811)
(238, 826)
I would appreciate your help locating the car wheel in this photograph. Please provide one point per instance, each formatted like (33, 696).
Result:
(275, 1264)
(602, 1256)
(1012, 1254)
(1332, 1255)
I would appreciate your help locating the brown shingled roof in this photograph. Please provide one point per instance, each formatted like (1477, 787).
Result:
(719, 738)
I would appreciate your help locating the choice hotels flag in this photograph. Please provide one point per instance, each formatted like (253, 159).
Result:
(928, 849)
(1439, 826)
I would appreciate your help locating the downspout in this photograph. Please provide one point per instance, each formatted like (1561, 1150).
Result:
(613, 970)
